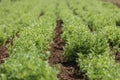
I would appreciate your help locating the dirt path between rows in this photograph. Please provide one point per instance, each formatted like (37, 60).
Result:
(68, 70)
(57, 46)
(3, 54)
(4, 48)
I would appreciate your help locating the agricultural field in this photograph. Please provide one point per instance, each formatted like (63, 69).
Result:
(59, 40)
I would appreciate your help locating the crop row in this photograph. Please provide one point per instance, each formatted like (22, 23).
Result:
(90, 30)
(13, 17)
(28, 56)
(91, 50)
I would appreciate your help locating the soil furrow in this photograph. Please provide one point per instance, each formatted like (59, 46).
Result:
(4, 48)
(3, 54)
(57, 46)
(68, 70)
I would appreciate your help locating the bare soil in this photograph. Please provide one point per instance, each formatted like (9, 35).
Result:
(68, 70)
(4, 50)
(3, 54)
(57, 46)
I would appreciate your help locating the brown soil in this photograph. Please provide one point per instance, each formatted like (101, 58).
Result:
(57, 46)
(68, 70)
(3, 54)
(4, 50)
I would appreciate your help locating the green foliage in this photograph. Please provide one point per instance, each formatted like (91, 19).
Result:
(99, 67)
(91, 49)
(90, 30)
(28, 55)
